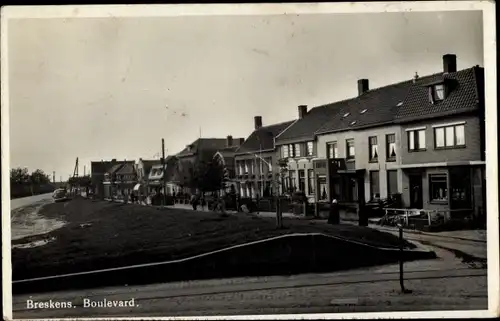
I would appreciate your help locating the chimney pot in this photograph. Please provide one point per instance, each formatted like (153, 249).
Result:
(449, 63)
(362, 86)
(302, 111)
(229, 141)
(258, 122)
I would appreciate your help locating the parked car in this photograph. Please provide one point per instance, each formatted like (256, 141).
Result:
(60, 195)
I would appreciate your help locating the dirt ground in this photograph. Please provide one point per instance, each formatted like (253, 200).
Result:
(100, 234)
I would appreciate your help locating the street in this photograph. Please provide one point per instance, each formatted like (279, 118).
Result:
(446, 283)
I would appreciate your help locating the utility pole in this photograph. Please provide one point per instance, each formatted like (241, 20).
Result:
(53, 176)
(164, 177)
(84, 170)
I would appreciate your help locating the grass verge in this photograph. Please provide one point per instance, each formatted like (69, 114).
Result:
(102, 235)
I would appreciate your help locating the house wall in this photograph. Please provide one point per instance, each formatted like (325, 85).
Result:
(471, 151)
(362, 161)
(254, 167)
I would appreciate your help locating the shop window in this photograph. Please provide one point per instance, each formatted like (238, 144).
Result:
(438, 188)
(323, 194)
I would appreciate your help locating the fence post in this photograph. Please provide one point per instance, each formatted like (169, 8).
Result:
(429, 218)
(406, 217)
(401, 260)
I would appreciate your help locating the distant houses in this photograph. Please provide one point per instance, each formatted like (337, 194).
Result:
(422, 139)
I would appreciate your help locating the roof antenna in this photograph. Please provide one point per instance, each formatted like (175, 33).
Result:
(415, 77)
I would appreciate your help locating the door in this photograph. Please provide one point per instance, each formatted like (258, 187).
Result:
(416, 200)
(460, 186)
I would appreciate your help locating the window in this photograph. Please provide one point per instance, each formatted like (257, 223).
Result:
(439, 92)
(269, 164)
(332, 151)
(372, 141)
(310, 182)
(449, 136)
(350, 148)
(436, 93)
(285, 151)
(391, 147)
(310, 148)
(416, 140)
(246, 167)
(297, 150)
(323, 194)
(392, 182)
(374, 185)
(293, 181)
(438, 187)
(302, 180)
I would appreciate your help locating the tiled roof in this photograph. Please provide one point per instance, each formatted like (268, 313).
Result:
(305, 127)
(400, 102)
(376, 106)
(263, 138)
(207, 144)
(115, 168)
(463, 95)
(127, 168)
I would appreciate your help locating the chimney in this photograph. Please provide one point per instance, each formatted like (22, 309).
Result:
(362, 86)
(113, 160)
(229, 141)
(242, 140)
(302, 111)
(449, 63)
(258, 122)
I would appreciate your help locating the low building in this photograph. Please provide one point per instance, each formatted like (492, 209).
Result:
(200, 151)
(156, 181)
(116, 182)
(256, 161)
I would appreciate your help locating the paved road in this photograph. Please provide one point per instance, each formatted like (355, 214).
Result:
(432, 290)
(442, 284)
(25, 201)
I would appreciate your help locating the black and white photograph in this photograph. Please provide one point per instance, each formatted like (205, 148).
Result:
(313, 160)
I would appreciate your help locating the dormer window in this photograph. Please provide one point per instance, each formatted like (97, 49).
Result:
(439, 92)
(436, 93)
(346, 115)
(363, 111)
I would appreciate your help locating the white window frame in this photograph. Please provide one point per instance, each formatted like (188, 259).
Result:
(445, 128)
(310, 148)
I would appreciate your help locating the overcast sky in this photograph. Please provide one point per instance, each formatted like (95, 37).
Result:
(102, 88)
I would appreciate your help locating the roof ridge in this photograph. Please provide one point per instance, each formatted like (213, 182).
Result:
(420, 78)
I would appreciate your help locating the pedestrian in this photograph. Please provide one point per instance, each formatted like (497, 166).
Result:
(194, 202)
(334, 215)
(202, 203)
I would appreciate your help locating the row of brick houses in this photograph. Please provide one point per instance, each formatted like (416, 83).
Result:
(422, 138)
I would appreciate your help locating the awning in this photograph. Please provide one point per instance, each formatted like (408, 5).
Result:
(137, 186)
